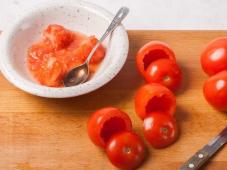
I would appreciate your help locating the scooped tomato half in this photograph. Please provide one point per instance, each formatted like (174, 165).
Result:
(215, 90)
(160, 129)
(154, 98)
(165, 72)
(214, 57)
(106, 122)
(152, 51)
(126, 150)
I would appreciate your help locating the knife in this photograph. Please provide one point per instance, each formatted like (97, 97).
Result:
(204, 154)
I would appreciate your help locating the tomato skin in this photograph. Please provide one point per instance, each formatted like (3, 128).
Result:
(160, 129)
(165, 72)
(106, 122)
(215, 90)
(150, 52)
(214, 57)
(126, 150)
(154, 97)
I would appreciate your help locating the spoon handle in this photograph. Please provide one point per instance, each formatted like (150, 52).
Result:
(121, 14)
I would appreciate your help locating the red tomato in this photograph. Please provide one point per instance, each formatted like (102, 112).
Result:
(160, 129)
(215, 90)
(152, 51)
(106, 122)
(214, 57)
(126, 150)
(165, 72)
(154, 97)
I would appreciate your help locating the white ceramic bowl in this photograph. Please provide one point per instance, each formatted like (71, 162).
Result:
(75, 15)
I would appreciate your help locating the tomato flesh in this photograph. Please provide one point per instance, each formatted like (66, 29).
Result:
(214, 57)
(58, 52)
(165, 72)
(215, 90)
(150, 52)
(58, 36)
(154, 97)
(106, 122)
(126, 150)
(160, 129)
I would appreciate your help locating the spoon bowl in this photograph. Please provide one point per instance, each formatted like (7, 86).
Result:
(77, 75)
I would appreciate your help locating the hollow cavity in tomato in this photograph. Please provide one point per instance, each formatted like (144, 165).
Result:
(160, 129)
(126, 150)
(215, 90)
(214, 57)
(165, 72)
(106, 122)
(152, 98)
(152, 51)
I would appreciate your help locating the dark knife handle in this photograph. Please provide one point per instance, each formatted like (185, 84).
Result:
(197, 160)
(200, 157)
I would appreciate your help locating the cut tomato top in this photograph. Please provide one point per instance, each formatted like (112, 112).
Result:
(58, 52)
(165, 72)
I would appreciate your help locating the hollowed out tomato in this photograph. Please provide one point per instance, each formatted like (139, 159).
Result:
(154, 98)
(106, 122)
(152, 51)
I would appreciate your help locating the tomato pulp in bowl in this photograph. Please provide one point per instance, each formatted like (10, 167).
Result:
(58, 52)
(84, 17)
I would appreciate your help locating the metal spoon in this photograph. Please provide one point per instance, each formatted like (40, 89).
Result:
(80, 73)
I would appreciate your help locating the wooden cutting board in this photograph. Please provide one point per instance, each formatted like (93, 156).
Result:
(50, 134)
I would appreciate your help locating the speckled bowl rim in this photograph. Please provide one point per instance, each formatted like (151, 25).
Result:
(66, 92)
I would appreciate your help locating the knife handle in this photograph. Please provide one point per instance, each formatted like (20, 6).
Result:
(197, 160)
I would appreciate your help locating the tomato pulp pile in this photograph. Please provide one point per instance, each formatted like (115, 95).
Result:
(60, 50)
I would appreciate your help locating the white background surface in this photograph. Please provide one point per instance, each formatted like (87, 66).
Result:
(146, 14)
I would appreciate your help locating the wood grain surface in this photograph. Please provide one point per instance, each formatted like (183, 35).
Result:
(50, 134)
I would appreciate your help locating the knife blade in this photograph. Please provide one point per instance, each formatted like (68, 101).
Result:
(204, 154)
